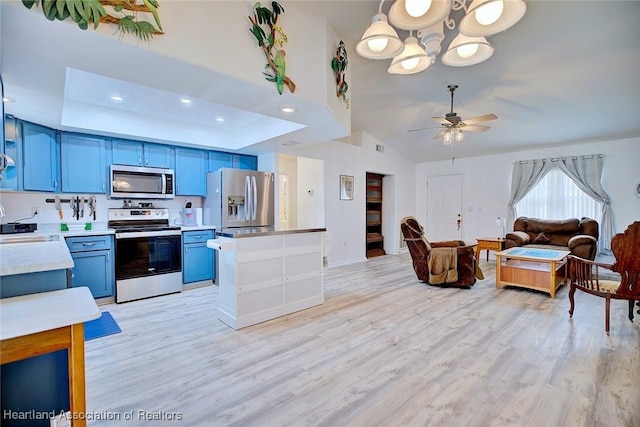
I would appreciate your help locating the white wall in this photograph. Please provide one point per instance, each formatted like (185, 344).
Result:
(487, 183)
(345, 219)
(310, 193)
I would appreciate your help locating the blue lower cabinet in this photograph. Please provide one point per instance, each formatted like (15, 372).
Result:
(197, 258)
(93, 264)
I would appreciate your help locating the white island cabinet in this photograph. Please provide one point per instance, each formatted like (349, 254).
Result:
(267, 275)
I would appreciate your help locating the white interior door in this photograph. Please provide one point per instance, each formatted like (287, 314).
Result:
(444, 208)
(283, 182)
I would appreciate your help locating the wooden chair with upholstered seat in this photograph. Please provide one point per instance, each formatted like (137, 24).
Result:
(585, 274)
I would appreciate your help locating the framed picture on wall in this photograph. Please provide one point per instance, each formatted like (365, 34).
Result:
(346, 187)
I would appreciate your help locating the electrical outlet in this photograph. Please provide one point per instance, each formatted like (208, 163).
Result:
(34, 211)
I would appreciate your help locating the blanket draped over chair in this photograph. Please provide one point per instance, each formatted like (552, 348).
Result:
(450, 263)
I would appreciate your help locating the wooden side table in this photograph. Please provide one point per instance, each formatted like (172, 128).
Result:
(489, 244)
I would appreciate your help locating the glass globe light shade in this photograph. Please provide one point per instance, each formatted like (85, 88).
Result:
(378, 44)
(417, 8)
(467, 50)
(490, 12)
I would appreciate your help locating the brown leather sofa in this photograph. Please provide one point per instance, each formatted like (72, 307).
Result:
(580, 236)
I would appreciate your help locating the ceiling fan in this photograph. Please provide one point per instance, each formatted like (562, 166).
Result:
(452, 125)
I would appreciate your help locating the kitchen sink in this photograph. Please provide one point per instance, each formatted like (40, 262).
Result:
(37, 238)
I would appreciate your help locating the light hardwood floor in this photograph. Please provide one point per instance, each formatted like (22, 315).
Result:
(383, 350)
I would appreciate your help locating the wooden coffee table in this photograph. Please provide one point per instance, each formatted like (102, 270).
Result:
(539, 269)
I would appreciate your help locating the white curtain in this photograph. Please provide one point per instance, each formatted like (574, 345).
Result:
(584, 171)
(526, 174)
(556, 196)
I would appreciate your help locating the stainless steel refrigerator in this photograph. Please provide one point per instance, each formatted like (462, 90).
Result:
(239, 198)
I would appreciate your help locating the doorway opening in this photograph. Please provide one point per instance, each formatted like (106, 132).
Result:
(375, 239)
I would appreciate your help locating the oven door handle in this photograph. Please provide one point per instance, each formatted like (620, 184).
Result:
(135, 234)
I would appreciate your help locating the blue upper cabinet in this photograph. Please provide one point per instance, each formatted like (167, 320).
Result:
(218, 159)
(40, 158)
(136, 153)
(191, 170)
(12, 177)
(159, 156)
(242, 161)
(83, 163)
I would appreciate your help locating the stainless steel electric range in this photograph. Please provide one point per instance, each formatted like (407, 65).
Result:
(148, 253)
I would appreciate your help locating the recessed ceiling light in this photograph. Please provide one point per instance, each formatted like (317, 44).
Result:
(220, 119)
(116, 98)
(288, 109)
(185, 101)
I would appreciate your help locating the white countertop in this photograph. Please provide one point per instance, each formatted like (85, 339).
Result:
(30, 314)
(30, 257)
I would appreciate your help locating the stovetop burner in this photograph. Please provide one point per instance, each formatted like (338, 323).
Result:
(135, 220)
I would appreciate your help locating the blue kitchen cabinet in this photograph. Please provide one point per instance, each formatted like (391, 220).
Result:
(136, 153)
(197, 258)
(83, 161)
(40, 158)
(93, 264)
(12, 177)
(191, 171)
(219, 159)
(241, 161)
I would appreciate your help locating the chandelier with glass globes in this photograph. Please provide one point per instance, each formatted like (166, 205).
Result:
(482, 18)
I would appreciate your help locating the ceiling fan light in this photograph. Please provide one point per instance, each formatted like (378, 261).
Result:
(413, 59)
(380, 40)
(437, 11)
(512, 12)
(453, 58)
(417, 8)
(447, 138)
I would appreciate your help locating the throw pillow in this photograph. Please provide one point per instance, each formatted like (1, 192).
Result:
(542, 239)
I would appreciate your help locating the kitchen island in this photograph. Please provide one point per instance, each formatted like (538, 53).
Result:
(264, 273)
(42, 323)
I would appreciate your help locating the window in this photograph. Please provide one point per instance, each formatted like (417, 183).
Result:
(556, 196)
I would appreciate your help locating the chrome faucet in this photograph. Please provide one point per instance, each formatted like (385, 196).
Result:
(3, 213)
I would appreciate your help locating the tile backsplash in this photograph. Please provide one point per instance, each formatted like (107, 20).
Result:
(18, 207)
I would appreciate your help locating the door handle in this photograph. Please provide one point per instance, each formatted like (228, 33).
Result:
(254, 198)
(247, 199)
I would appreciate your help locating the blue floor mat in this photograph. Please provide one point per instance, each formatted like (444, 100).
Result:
(100, 327)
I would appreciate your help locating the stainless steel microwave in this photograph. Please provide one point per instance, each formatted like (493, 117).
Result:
(136, 182)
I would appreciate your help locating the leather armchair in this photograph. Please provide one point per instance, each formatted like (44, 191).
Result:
(449, 263)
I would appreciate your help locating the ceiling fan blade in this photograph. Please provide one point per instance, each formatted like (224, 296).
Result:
(428, 128)
(441, 120)
(440, 134)
(476, 128)
(480, 119)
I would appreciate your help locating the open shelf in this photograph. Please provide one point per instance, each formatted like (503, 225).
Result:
(374, 239)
